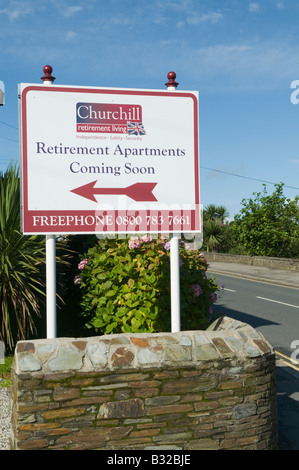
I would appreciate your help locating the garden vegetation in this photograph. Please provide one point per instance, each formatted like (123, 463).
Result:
(114, 285)
(125, 286)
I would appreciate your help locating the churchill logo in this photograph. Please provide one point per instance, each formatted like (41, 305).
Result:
(109, 118)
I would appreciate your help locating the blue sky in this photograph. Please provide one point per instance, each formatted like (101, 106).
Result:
(241, 55)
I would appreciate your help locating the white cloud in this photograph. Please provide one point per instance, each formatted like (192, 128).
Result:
(256, 66)
(178, 6)
(70, 11)
(71, 36)
(180, 24)
(160, 19)
(254, 7)
(212, 17)
(17, 9)
(280, 5)
(63, 7)
(119, 19)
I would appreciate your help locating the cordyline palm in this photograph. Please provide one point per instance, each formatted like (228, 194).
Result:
(22, 266)
(212, 234)
(214, 217)
(216, 213)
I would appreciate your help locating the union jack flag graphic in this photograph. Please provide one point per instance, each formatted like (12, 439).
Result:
(136, 128)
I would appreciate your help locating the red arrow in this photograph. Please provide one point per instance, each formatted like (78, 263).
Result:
(137, 191)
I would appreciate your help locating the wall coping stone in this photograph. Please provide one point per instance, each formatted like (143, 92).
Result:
(191, 390)
(225, 338)
(289, 264)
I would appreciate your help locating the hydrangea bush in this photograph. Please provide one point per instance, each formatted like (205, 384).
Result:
(125, 286)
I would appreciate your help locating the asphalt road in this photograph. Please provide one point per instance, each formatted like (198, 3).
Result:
(271, 309)
(274, 311)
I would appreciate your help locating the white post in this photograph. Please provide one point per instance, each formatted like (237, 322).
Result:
(51, 285)
(174, 253)
(175, 284)
(50, 253)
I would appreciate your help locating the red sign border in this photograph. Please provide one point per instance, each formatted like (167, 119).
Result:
(27, 225)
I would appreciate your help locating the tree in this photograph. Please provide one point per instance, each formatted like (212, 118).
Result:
(268, 225)
(216, 213)
(212, 234)
(213, 226)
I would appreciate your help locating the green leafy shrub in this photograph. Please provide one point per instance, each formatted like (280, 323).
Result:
(5, 371)
(125, 287)
(268, 225)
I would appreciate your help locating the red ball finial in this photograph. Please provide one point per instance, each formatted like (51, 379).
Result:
(171, 80)
(48, 74)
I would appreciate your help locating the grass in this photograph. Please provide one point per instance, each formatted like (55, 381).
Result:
(5, 369)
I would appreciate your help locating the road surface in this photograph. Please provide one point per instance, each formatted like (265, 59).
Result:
(272, 310)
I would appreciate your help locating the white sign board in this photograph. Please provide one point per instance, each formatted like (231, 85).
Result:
(97, 160)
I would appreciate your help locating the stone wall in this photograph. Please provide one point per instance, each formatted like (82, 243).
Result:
(291, 264)
(212, 389)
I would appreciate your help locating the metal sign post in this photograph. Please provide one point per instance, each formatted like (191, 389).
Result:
(174, 253)
(50, 253)
(175, 284)
(51, 285)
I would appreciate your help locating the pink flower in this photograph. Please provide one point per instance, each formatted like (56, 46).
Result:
(197, 290)
(213, 297)
(82, 264)
(134, 242)
(146, 238)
